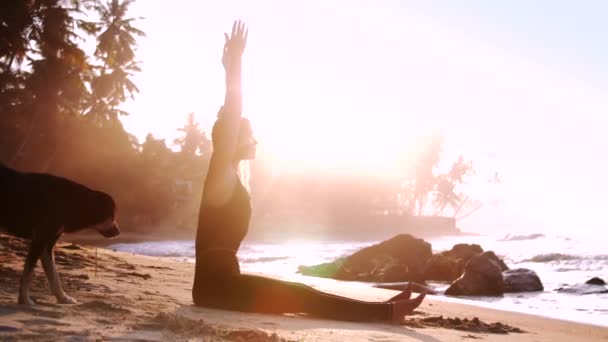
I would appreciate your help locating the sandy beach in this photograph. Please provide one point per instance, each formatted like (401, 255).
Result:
(125, 297)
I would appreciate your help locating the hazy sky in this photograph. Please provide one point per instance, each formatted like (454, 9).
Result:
(520, 87)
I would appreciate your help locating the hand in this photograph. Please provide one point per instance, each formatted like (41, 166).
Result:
(234, 45)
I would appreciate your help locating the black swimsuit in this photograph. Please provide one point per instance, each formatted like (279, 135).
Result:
(218, 282)
(219, 235)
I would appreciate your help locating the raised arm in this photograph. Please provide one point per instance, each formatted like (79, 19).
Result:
(232, 61)
(221, 177)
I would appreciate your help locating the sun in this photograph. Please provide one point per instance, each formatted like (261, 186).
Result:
(329, 144)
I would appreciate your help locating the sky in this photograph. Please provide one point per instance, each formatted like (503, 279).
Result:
(519, 87)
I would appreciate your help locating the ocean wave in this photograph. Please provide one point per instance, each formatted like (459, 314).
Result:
(170, 249)
(535, 236)
(263, 259)
(548, 257)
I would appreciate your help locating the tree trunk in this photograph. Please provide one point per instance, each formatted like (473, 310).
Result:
(469, 213)
(457, 210)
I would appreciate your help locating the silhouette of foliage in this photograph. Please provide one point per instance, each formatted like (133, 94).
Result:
(60, 108)
(194, 139)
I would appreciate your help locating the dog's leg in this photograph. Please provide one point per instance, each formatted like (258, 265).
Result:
(28, 270)
(48, 262)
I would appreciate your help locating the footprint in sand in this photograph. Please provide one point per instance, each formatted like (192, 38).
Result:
(101, 305)
(144, 276)
(52, 314)
(126, 266)
(41, 321)
(385, 338)
(8, 329)
(159, 268)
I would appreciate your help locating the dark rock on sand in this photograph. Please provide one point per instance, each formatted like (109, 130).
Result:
(482, 277)
(449, 265)
(521, 280)
(442, 268)
(401, 258)
(595, 281)
(463, 324)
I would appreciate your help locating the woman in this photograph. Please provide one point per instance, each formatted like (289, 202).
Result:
(224, 219)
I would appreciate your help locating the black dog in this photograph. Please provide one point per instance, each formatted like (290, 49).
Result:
(41, 207)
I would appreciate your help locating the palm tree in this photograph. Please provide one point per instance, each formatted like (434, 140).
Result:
(444, 196)
(425, 179)
(54, 84)
(116, 50)
(194, 139)
(15, 23)
(444, 193)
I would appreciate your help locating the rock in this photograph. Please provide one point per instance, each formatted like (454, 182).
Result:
(594, 285)
(482, 277)
(521, 280)
(449, 265)
(442, 268)
(595, 281)
(464, 251)
(583, 289)
(401, 258)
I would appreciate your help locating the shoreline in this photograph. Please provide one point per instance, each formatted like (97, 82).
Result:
(505, 304)
(487, 305)
(149, 298)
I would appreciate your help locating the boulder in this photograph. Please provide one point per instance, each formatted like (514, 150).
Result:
(449, 265)
(442, 268)
(521, 280)
(464, 251)
(401, 258)
(594, 285)
(583, 289)
(482, 277)
(595, 281)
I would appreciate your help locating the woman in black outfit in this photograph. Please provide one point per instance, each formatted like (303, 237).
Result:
(224, 219)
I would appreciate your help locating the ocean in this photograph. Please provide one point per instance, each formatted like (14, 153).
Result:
(559, 261)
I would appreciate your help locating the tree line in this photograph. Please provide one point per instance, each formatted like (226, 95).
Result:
(60, 107)
(60, 110)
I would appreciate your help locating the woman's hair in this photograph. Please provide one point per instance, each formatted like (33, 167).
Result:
(244, 172)
(216, 132)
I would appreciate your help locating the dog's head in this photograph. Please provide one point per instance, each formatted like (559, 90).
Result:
(107, 227)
